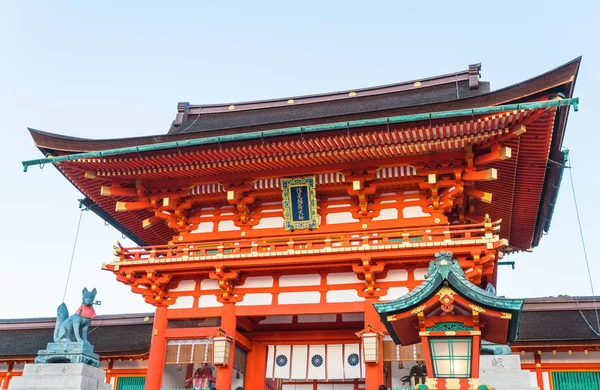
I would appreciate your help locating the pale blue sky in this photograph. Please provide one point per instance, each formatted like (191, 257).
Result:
(118, 68)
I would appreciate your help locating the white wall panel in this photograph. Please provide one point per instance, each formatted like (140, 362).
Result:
(343, 278)
(343, 296)
(183, 303)
(256, 299)
(395, 275)
(258, 282)
(208, 301)
(185, 285)
(299, 297)
(299, 280)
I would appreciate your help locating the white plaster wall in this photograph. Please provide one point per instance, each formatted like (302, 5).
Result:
(344, 217)
(331, 386)
(256, 299)
(277, 320)
(395, 292)
(258, 282)
(299, 297)
(185, 285)
(395, 275)
(343, 296)
(414, 212)
(103, 365)
(575, 357)
(133, 365)
(208, 301)
(204, 227)
(343, 278)
(317, 318)
(420, 273)
(387, 214)
(227, 226)
(173, 379)
(209, 284)
(183, 303)
(299, 280)
(269, 222)
(546, 380)
(297, 387)
(527, 357)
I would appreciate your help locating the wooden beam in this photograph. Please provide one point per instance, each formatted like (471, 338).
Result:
(483, 196)
(243, 341)
(488, 174)
(117, 191)
(503, 153)
(129, 206)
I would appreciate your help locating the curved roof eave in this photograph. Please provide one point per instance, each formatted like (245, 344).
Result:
(564, 75)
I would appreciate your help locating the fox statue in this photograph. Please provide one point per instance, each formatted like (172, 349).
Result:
(75, 328)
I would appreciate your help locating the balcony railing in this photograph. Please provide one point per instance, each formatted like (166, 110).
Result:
(388, 239)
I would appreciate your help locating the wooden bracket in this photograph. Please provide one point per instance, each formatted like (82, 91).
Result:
(226, 280)
(239, 196)
(151, 285)
(367, 271)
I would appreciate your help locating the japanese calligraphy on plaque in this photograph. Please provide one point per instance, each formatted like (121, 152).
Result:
(299, 203)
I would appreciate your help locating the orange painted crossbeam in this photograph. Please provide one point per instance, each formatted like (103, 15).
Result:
(117, 191)
(499, 154)
(485, 175)
(131, 206)
(483, 196)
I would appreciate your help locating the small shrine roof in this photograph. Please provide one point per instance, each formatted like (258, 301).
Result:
(445, 271)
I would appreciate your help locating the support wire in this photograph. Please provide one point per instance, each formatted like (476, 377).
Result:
(73, 253)
(587, 263)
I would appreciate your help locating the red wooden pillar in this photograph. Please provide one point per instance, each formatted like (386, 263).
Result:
(8, 376)
(256, 369)
(158, 349)
(109, 371)
(538, 370)
(374, 371)
(228, 324)
(475, 358)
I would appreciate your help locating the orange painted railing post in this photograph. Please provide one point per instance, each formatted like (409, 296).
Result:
(158, 350)
(228, 324)
(374, 371)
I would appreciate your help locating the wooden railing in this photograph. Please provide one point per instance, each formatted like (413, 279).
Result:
(320, 243)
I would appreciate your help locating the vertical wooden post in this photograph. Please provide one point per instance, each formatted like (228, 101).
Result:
(109, 370)
(374, 372)
(228, 324)
(538, 370)
(158, 349)
(256, 369)
(475, 357)
(8, 375)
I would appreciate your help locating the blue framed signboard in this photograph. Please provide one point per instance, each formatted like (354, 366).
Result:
(299, 203)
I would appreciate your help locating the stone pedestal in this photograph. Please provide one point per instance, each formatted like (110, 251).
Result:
(71, 352)
(503, 372)
(63, 376)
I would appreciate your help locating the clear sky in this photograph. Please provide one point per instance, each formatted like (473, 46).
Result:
(118, 68)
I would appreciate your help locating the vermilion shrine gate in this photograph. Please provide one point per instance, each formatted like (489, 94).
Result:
(276, 225)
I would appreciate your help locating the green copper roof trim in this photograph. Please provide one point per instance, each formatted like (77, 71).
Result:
(307, 129)
(444, 268)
